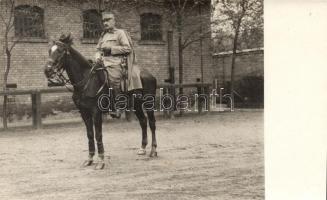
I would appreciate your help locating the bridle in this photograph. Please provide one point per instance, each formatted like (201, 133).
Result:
(58, 69)
(56, 75)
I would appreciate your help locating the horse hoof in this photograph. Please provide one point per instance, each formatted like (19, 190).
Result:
(141, 151)
(87, 163)
(153, 154)
(99, 166)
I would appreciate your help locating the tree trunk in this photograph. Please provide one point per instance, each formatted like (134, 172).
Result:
(171, 68)
(237, 30)
(5, 97)
(201, 44)
(180, 62)
(180, 51)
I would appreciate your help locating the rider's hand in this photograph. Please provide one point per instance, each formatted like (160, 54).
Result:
(98, 61)
(106, 50)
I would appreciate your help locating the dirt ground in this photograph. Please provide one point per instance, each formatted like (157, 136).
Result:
(214, 156)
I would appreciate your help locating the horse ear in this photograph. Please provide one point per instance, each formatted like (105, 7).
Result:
(69, 39)
(62, 37)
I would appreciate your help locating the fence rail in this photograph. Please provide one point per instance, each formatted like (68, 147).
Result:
(36, 97)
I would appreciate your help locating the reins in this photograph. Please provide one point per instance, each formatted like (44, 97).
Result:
(62, 79)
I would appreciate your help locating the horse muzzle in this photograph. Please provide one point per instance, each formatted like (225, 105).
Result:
(48, 71)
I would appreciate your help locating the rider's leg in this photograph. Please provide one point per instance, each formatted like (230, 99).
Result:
(115, 76)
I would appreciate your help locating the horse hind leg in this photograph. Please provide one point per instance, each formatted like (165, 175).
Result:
(143, 123)
(98, 136)
(152, 124)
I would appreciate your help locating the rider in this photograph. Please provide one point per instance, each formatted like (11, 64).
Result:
(115, 51)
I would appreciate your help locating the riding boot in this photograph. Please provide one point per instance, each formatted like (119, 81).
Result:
(115, 113)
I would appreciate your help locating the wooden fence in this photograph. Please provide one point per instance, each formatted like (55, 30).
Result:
(36, 97)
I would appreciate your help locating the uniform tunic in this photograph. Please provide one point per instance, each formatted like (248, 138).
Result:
(118, 42)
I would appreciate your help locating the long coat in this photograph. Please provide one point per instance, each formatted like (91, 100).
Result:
(122, 46)
(134, 78)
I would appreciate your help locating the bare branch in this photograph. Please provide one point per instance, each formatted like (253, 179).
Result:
(13, 44)
(184, 4)
(12, 25)
(173, 5)
(192, 33)
(12, 13)
(3, 20)
(201, 37)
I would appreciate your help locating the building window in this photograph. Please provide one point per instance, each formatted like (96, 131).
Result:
(151, 27)
(29, 22)
(92, 26)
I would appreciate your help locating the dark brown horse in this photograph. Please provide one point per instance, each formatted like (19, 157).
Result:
(88, 86)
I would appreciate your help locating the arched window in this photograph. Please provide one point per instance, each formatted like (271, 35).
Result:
(92, 26)
(151, 27)
(29, 21)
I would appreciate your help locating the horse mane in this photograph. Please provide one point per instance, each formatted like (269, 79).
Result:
(81, 59)
(68, 40)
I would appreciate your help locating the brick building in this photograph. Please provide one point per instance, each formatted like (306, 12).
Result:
(60, 16)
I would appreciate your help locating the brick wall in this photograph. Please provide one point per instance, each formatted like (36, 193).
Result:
(29, 57)
(248, 63)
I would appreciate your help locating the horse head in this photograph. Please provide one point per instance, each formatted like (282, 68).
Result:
(58, 51)
(83, 75)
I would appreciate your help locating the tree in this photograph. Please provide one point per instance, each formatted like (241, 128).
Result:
(187, 19)
(9, 17)
(237, 17)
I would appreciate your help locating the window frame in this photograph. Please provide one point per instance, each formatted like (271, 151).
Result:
(93, 36)
(149, 31)
(24, 27)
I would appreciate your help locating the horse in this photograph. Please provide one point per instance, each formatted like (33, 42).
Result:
(88, 86)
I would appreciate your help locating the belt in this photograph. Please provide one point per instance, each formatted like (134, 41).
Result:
(106, 53)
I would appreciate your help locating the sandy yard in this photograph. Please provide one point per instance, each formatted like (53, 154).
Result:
(213, 156)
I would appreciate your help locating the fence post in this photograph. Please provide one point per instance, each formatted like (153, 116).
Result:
(36, 109)
(207, 92)
(199, 90)
(4, 112)
(166, 113)
(172, 92)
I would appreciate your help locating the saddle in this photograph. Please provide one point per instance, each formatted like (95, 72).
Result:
(103, 74)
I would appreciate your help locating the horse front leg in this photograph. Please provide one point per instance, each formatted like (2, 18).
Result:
(98, 136)
(88, 121)
(152, 124)
(143, 123)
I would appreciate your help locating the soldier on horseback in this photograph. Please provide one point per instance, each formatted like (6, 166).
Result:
(115, 51)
